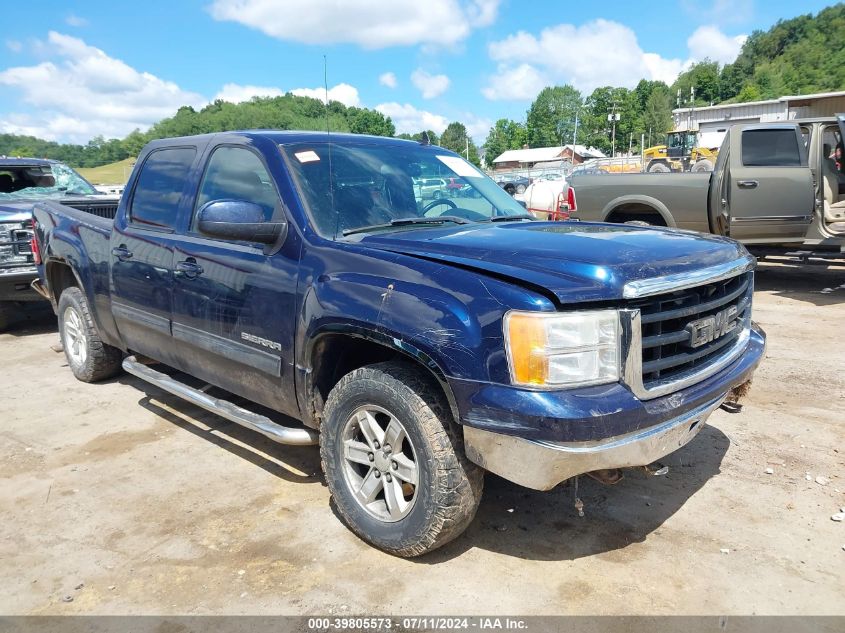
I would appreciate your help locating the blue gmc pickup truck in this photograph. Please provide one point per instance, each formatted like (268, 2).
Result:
(420, 342)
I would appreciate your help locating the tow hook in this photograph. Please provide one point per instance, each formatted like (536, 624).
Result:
(656, 469)
(607, 476)
(731, 403)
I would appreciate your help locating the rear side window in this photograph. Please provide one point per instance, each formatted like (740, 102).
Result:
(770, 148)
(158, 191)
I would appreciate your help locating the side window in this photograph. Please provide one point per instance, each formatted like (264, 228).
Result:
(236, 173)
(159, 187)
(770, 148)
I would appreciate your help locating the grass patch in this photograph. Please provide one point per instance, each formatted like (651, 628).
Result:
(112, 174)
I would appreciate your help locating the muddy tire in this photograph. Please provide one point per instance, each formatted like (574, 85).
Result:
(659, 168)
(702, 166)
(87, 356)
(394, 460)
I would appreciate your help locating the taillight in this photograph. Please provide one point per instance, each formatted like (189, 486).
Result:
(34, 246)
(570, 199)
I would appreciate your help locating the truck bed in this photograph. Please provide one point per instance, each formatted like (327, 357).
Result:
(681, 196)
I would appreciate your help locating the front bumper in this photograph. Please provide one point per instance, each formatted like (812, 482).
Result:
(543, 465)
(538, 439)
(15, 285)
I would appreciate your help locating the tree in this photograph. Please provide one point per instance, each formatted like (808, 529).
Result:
(455, 138)
(704, 77)
(551, 117)
(657, 115)
(505, 135)
(364, 121)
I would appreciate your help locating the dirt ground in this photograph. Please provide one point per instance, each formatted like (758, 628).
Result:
(117, 499)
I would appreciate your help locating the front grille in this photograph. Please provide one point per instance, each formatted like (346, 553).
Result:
(15, 245)
(100, 210)
(667, 352)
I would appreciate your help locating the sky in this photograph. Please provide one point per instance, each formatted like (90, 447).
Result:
(73, 70)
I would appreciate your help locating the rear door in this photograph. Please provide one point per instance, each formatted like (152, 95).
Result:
(234, 302)
(141, 255)
(768, 190)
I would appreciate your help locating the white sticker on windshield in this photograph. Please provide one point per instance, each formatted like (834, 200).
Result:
(460, 166)
(307, 157)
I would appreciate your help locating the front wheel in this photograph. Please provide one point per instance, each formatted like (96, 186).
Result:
(394, 460)
(87, 356)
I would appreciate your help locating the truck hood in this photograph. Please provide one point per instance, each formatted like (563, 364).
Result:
(574, 261)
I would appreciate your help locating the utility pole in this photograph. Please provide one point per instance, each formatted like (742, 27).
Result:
(613, 117)
(466, 138)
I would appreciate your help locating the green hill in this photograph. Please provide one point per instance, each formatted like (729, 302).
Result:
(111, 174)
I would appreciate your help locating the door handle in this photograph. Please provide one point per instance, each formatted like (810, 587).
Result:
(189, 267)
(121, 252)
(747, 184)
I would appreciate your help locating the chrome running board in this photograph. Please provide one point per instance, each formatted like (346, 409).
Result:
(223, 408)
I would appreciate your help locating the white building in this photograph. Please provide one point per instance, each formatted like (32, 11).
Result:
(528, 158)
(717, 118)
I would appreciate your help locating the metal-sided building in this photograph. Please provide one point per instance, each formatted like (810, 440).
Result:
(717, 118)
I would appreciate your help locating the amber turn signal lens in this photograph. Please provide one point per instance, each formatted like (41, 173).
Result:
(527, 339)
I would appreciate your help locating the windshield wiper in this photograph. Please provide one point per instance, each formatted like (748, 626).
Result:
(508, 218)
(440, 219)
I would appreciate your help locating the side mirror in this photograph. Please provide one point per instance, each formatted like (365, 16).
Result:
(239, 220)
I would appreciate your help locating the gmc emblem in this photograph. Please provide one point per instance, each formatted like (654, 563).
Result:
(710, 328)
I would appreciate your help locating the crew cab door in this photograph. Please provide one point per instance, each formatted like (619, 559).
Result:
(767, 192)
(141, 251)
(233, 301)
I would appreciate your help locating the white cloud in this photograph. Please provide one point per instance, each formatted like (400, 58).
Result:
(521, 83)
(430, 86)
(75, 20)
(409, 119)
(14, 45)
(477, 127)
(608, 55)
(370, 24)
(81, 92)
(236, 93)
(387, 79)
(709, 41)
(346, 94)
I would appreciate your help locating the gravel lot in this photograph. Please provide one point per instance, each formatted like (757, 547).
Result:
(117, 498)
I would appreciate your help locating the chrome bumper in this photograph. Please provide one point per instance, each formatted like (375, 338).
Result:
(542, 465)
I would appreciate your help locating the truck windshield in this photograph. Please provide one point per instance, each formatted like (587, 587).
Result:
(359, 186)
(31, 182)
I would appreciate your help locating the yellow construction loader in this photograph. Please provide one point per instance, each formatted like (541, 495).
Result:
(683, 151)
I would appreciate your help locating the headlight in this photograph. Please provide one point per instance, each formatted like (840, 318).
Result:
(550, 349)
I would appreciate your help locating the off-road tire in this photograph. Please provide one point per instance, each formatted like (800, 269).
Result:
(101, 360)
(704, 165)
(450, 486)
(659, 168)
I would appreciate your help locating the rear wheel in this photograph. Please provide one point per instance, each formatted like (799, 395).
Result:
(87, 356)
(394, 460)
